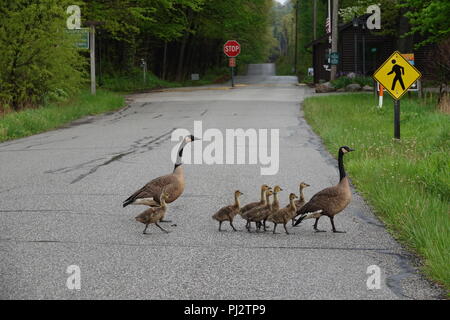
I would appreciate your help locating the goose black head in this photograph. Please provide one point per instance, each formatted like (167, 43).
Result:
(345, 149)
(190, 138)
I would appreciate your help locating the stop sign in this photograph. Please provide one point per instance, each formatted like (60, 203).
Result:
(232, 48)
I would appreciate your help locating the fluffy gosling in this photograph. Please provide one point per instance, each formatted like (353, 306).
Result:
(228, 213)
(154, 214)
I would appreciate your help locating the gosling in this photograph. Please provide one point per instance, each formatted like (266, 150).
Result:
(154, 214)
(301, 201)
(285, 214)
(228, 213)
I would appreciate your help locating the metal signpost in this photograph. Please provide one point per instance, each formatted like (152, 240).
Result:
(396, 75)
(232, 49)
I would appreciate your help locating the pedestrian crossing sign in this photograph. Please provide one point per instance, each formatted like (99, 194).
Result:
(396, 75)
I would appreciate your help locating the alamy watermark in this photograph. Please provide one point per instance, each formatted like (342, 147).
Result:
(73, 282)
(374, 280)
(234, 146)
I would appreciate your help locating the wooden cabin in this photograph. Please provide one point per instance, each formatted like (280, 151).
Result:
(354, 44)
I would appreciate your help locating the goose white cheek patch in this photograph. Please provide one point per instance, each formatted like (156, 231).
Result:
(230, 146)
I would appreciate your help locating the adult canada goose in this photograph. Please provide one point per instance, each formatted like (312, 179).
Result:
(252, 205)
(285, 214)
(331, 200)
(173, 183)
(301, 201)
(228, 213)
(258, 214)
(153, 215)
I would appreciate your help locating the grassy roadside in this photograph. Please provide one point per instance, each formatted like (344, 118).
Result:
(27, 122)
(134, 81)
(407, 182)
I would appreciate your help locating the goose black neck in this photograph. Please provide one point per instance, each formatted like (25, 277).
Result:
(179, 156)
(342, 173)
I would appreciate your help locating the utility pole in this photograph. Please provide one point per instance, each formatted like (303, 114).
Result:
(92, 25)
(92, 57)
(315, 20)
(296, 31)
(334, 34)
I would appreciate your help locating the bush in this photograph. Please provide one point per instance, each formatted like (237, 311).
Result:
(37, 58)
(344, 81)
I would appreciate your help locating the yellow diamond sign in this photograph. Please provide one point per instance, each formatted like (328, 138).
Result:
(396, 75)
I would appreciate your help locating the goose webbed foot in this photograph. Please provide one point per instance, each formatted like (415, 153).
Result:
(315, 226)
(161, 228)
(333, 227)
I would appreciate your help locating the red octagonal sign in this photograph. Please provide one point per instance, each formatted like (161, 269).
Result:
(232, 48)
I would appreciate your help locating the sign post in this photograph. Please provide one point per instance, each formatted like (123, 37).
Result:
(232, 64)
(397, 119)
(396, 75)
(232, 49)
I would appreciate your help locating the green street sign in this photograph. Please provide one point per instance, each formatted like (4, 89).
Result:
(80, 37)
(334, 58)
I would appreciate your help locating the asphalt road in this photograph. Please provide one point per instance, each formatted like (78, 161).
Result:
(61, 194)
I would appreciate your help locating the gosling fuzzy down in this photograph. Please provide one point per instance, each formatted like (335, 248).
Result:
(155, 214)
(245, 209)
(284, 215)
(228, 213)
(259, 213)
(301, 201)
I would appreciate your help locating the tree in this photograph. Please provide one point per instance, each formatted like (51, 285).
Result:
(429, 18)
(37, 58)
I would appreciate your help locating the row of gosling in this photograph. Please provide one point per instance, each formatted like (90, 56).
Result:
(262, 211)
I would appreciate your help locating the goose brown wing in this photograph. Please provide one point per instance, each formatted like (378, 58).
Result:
(153, 189)
(321, 200)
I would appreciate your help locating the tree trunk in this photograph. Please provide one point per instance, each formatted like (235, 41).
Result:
(404, 44)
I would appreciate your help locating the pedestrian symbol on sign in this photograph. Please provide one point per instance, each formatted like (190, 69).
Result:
(399, 71)
(396, 75)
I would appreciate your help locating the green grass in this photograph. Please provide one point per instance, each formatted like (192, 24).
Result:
(407, 182)
(52, 115)
(284, 66)
(134, 81)
(20, 124)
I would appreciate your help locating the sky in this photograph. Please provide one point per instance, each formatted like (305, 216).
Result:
(281, 1)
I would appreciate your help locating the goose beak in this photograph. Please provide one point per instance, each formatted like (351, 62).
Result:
(350, 149)
(195, 138)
